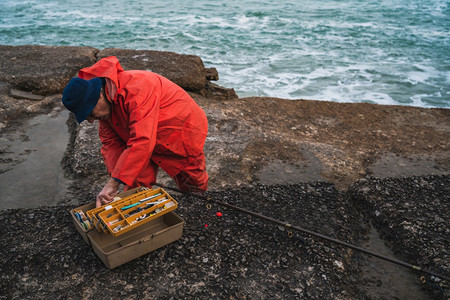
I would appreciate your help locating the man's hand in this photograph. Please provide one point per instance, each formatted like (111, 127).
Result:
(108, 192)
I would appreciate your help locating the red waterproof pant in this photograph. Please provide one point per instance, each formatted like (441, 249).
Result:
(193, 178)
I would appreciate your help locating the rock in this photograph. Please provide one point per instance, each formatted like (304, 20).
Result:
(24, 95)
(45, 105)
(212, 74)
(250, 139)
(11, 108)
(187, 71)
(42, 70)
(5, 88)
(217, 92)
(86, 159)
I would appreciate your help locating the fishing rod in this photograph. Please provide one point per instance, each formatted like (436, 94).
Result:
(290, 226)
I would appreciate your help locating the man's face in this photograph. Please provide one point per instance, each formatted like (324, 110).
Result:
(102, 111)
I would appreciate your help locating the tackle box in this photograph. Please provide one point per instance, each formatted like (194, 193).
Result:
(153, 231)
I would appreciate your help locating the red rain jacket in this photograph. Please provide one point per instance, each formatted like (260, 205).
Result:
(151, 118)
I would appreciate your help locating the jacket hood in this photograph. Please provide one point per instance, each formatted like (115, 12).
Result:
(108, 67)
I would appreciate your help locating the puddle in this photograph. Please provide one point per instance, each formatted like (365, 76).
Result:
(279, 172)
(394, 166)
(30, 162)
(385, 280)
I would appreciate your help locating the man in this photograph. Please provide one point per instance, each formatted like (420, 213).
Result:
(145, 122)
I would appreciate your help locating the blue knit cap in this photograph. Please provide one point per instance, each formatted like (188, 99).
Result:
(81, 96)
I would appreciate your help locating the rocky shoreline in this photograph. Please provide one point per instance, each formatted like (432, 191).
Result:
(358, 172)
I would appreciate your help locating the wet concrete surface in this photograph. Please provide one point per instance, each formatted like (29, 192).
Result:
(282, 172)
(31, 153)
(411, 216)
(390, 165)
(278, 172)
(384, 279)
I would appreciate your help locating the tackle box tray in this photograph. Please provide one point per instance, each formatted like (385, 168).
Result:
(81, 228)
(128, 213)
(115, 251)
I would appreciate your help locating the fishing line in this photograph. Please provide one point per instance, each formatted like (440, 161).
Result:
(312, 233)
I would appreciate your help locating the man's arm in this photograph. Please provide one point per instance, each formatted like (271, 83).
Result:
(112, 145)
(143, 110)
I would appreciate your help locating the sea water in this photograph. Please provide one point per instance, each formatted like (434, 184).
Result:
(378, 51)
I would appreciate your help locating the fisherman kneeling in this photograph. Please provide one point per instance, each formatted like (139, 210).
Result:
(145, 122)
